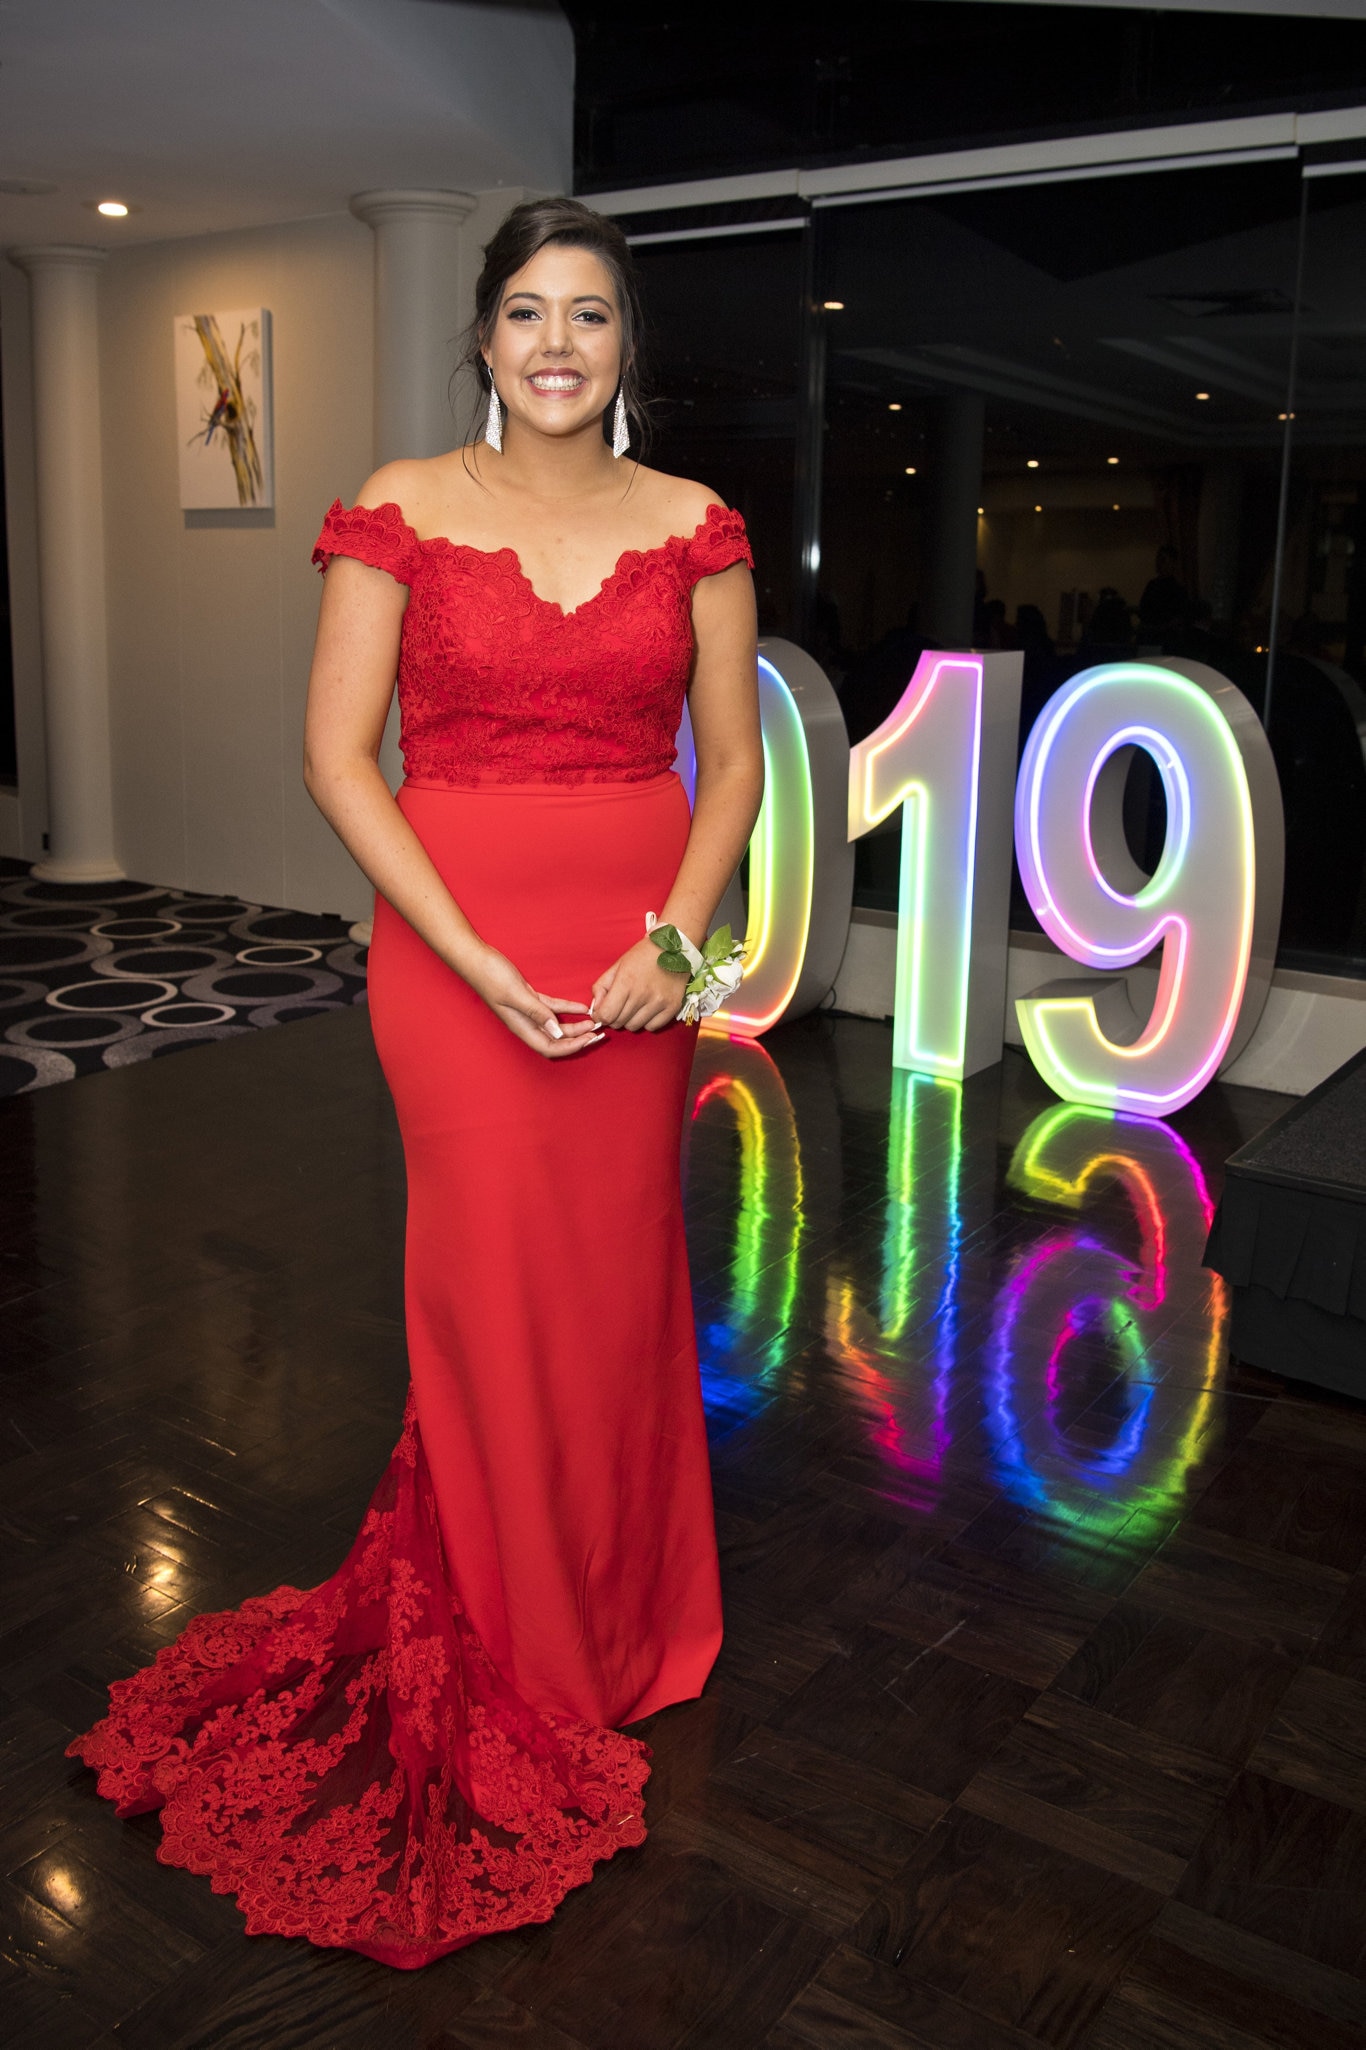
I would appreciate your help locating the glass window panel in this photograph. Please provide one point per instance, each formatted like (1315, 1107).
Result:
(724, 333)
(1318, 700)
(1016, 428)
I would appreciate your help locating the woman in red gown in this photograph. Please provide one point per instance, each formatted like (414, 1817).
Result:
(426, 1748)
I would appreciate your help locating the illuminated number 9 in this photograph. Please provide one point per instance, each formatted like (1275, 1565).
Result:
(1213, 903)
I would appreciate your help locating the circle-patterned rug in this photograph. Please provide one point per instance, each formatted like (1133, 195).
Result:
(99, 975)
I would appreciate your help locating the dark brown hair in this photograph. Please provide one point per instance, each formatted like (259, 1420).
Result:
(538, 224)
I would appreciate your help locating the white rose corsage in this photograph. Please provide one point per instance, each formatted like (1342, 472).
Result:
(714, 973)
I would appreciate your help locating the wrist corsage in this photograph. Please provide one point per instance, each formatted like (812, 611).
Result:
(714, 973)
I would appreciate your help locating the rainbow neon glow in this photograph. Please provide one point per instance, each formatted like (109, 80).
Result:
(1076, 1285)
(1212, 905)
(939, 756)
(902, 1356)
(741, 1340)
(781, 868)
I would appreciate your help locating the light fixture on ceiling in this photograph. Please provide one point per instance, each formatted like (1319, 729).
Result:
(1112, 460)
(910, 469)
(1038, 508)
(112, 209)
(1032, 463)
(1285, 416)
(1114, 508)
(832, 305)
(981, 512)
(895, 406)
(1202, 395)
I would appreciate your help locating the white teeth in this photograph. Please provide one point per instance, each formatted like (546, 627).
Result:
(553, 383)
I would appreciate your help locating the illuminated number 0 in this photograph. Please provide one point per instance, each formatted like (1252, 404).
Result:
(1213, 904)
(801, 870)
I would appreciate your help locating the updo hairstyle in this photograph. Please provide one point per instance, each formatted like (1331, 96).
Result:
(567, 223)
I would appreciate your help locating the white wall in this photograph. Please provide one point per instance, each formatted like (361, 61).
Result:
(211, 616)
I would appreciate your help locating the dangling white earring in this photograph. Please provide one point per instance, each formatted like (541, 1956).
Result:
(621, 427)
(493, 425)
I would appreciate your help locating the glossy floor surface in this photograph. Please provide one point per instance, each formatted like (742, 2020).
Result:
(1040, 1718)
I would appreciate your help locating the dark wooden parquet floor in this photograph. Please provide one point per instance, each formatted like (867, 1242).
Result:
(1042, 1714)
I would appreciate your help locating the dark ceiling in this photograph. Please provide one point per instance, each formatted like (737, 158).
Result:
(714, 87)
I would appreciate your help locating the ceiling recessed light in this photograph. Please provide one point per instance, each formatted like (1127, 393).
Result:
(910, 469)
(832, 305)
(1114, 508)
(981, 512)
(1112, 460)
(1032, 463)
(1285, 416)
(113, 209)
(1202, 395)
(895, 406)
(1038, 508)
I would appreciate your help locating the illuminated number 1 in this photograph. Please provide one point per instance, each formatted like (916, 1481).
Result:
(947, 756)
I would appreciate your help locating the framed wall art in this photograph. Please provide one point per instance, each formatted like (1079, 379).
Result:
(223, 409)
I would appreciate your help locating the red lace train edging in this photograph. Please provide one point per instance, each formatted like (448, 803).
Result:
(349, 1764)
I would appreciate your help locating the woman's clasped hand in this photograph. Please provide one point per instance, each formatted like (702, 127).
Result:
(528, 1013)
(634, 995)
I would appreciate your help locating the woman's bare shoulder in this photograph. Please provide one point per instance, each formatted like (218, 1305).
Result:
(420, 486)
(679, 504)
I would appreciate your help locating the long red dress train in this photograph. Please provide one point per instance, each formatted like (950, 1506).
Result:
(421, 1751)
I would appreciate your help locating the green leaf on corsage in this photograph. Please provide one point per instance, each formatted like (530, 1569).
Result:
(719, 944)
(676, 964)
(669, 941)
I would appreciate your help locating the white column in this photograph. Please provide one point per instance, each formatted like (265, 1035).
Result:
(66, 400)
(419, 312)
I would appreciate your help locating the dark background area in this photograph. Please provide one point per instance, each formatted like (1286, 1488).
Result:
(710, 88)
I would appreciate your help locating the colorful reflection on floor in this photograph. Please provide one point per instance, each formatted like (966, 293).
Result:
(982, 1276)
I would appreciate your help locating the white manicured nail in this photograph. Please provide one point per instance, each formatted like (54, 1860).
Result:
(555, 1030)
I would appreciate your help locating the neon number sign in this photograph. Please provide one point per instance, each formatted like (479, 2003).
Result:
(801, 872)
(946, 756)
(1213, 903)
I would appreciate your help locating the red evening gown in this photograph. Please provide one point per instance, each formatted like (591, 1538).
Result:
(423, 1750)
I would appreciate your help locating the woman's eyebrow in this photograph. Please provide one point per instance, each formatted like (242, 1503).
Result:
(583, 299)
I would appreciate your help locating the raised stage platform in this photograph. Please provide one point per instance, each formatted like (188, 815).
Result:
(1290, 1238)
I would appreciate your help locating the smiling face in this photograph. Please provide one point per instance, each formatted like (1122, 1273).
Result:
(554, 347)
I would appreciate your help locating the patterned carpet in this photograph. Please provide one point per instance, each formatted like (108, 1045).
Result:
(96, 976)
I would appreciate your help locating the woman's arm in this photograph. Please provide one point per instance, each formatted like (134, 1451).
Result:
(355, 660)
(636, 994)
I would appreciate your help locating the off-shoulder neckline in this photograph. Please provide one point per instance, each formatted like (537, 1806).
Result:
(627, 556)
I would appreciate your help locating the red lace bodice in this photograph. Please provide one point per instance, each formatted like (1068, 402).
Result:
(497, 684)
